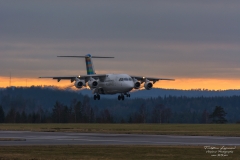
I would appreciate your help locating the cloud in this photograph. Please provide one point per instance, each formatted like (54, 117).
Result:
(187, 39)
(160, 21)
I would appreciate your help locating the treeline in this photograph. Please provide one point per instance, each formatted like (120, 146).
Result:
(47, 105)
(79, 112)
(83, 112)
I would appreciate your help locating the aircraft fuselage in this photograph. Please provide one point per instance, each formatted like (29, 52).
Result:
(114, 83)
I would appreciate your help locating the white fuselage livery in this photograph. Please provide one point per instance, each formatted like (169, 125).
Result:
(114, 83)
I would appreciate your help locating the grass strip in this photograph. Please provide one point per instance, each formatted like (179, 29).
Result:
(157, 129)
(110, 152)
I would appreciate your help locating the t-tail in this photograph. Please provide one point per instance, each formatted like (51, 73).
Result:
(89, 63)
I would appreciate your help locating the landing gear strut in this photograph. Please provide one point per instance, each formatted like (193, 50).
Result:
(96, 97)
(121, 97)
(128, 95)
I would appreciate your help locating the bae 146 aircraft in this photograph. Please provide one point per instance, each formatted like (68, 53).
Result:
(120, 84)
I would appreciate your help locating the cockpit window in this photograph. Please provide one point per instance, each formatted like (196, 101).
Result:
(121, 79)
(130, 79)
(125, 79)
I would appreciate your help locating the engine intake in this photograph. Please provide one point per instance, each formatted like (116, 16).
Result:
(148, 85)
(93, 84)
(137, 85)
(79, 83)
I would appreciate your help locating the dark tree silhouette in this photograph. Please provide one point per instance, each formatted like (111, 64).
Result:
(205, 116)
(11, 116)
(91, 116)
(105, 117)
(23, 117)
(36, 105)
(160, 114)
(143, 113)
(56, 112)
(218, 115)
(65, 115)
(77, 111)
(2, 114)
(130, 119)
(18, 117)
(167, 114)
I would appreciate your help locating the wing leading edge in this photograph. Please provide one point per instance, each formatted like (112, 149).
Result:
(142, 79)
(73, 78)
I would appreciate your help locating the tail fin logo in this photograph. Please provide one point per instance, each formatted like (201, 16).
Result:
(89, 65)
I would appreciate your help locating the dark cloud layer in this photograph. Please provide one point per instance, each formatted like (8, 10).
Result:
(188, 39)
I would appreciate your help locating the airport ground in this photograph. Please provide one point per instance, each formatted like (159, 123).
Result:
(120, 151)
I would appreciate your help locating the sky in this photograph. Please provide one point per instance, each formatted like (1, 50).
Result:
(194, 42)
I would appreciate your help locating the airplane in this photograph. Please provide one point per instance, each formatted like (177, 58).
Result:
(101, 84)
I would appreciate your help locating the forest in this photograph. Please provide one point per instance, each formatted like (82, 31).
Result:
(38, 104)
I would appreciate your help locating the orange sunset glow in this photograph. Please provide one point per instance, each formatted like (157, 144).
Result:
(196, 43)
(179, 83)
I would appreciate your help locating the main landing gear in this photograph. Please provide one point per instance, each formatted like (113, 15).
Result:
(121, 97)
(128, 95)
(96, 97)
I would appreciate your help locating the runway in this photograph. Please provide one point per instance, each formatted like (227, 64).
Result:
(64, 138)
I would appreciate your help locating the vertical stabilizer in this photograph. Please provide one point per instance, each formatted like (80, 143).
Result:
(89, 65)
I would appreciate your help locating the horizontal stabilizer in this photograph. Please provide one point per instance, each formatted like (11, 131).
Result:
(85, 56)
(88, 60)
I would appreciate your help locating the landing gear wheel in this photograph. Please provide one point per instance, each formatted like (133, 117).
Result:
(94, 97)
(122, 97)
(98, 97)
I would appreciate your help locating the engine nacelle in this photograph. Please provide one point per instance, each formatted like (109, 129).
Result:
(79, 83)
(137, 85)
(148, 85)
(93, 83)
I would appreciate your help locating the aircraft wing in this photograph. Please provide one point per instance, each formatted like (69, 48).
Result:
(95, 76)
(142, 79)
(73, 78)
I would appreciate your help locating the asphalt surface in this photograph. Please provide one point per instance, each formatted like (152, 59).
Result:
(64, 138)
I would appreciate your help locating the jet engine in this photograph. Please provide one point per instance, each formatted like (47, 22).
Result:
(79, 83)
(137, 85)
(93, 83)
(148, 85)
